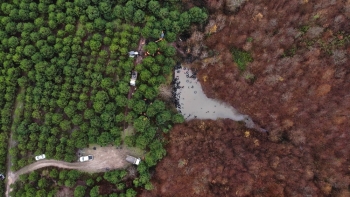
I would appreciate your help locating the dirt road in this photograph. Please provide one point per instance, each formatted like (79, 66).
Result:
(104, 157)
(138, 60)
(11, 142)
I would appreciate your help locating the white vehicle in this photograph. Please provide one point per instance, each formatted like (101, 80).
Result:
(2, 177)
(133, 54)
(86, 158)
(40, 157)
(133, 160)
(133, 78)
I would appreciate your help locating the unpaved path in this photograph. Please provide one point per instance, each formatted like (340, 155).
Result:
(11, 142)
(138, 60)
(104, 157)
(141, 51)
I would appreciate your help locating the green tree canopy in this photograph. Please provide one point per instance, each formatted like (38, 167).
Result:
(92, 12)
(79, 191)
(139, 16)
(197, 15)
(178, 118)
(141, 123)
(94, 192)
(104, 139)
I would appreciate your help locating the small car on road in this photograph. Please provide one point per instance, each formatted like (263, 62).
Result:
(86, 158)
(40, 157)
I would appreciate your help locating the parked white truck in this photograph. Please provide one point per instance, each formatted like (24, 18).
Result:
(40, 157)
(86, 158)
(133, 78)
(133, 160)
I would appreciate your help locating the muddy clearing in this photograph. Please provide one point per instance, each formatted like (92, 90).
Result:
(105, 158)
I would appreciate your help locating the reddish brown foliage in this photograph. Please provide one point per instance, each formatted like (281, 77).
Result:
(221, 158)
(300, 94)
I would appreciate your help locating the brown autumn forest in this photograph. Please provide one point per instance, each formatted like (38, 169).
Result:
(296, 87)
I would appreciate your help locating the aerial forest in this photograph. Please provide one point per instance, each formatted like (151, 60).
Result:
(64, 84)
(285, 63)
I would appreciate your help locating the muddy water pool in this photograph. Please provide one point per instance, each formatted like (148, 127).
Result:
(193, 103)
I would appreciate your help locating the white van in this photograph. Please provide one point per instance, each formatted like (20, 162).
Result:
(133, 160)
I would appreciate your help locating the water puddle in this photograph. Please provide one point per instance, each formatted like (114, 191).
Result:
(192, 103)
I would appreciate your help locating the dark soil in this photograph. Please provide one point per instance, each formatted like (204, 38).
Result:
(106, 187)
(297, 88)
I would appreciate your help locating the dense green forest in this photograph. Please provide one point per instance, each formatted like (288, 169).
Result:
(47, 180)
(65, 65)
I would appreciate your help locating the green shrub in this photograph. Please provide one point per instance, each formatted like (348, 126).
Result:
(242, 58)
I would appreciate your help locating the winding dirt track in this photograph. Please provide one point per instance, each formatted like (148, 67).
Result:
(104, 157)
(87, 167)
